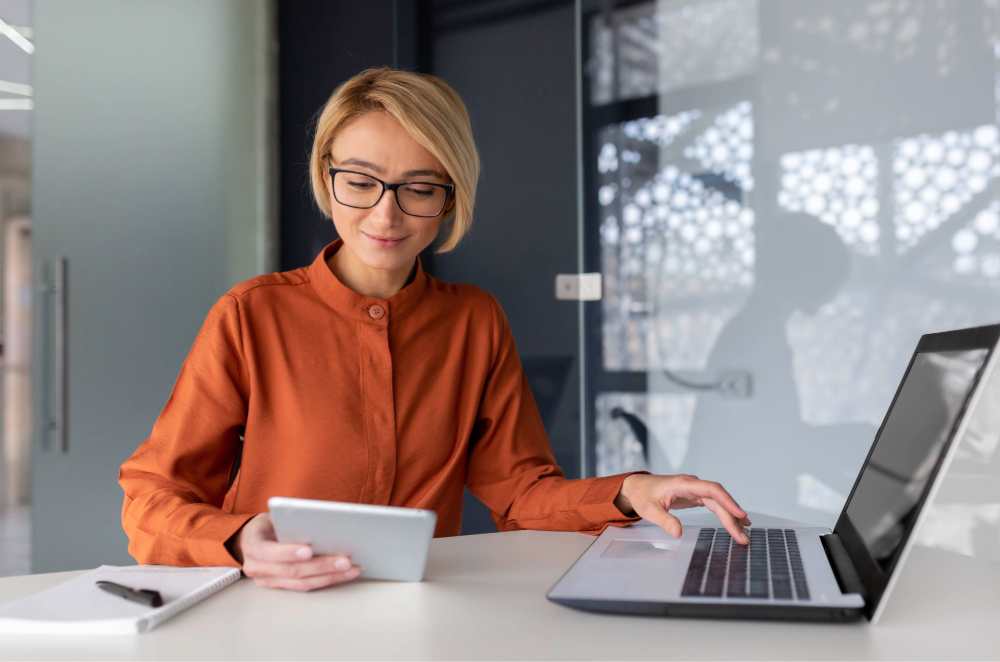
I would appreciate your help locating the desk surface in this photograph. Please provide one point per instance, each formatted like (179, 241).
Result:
(484, 598)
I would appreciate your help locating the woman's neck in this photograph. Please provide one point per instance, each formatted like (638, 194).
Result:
(376, 283)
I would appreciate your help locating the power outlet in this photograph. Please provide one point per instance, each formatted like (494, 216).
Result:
(736, 384)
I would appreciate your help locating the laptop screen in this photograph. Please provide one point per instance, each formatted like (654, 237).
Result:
(916, 429)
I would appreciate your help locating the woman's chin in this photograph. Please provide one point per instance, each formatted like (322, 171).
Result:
(386, 260)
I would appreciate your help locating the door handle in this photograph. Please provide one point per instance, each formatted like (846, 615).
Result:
(578, 287)
(57, 419)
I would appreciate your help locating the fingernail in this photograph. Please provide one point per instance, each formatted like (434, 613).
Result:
(352, 573)
(303, 552)
(342, 564)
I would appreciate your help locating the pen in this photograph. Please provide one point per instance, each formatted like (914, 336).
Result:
(141, 595)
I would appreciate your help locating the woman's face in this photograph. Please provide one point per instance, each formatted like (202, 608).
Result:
(383, 237)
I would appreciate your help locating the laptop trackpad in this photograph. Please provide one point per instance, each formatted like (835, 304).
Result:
(659, 550)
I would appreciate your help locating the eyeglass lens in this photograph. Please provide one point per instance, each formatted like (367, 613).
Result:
(414, 198)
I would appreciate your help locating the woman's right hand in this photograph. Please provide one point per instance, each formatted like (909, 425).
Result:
(275, 565)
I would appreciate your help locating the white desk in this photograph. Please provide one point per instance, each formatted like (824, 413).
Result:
(484, 597)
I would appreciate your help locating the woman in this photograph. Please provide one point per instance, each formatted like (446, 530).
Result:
(360, 378)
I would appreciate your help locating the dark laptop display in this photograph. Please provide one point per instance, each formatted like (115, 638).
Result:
(881, 513)
(919, 424)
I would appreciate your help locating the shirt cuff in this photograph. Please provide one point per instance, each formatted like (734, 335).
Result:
(598, 503)
(211, 545)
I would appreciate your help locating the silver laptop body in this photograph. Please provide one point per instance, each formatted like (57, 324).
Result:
(808, 573)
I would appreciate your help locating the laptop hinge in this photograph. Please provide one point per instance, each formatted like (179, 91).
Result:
(847, 576)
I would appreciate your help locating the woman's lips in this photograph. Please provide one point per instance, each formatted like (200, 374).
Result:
(385, 242)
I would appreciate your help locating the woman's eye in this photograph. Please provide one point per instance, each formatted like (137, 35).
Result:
(421, 191)
(361, 186)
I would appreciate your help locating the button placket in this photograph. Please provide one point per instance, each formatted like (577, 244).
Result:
(379, 406)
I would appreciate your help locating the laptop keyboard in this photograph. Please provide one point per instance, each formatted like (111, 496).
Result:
(769, 568)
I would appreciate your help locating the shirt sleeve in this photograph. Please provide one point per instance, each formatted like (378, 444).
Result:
(176, 481)
(511, 468)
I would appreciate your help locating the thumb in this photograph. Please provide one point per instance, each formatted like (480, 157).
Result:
(267, 527)
(665, 521)
(262, 528)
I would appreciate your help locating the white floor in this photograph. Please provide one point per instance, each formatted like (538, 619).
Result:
(15, 541)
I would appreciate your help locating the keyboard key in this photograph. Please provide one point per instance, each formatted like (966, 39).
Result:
(770, 567)
(713, 590)
(798, 570)
(736, 584)
(698, 564)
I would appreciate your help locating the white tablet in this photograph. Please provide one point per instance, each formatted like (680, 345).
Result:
(387, 542)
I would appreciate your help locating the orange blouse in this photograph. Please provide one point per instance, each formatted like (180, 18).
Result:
(343, 397)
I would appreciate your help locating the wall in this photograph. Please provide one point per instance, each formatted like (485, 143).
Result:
(147, 156)
(516, 73)
(322, 45)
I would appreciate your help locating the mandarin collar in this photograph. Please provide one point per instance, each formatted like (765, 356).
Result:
(349, 303)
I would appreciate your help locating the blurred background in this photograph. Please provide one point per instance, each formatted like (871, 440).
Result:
(779, 197)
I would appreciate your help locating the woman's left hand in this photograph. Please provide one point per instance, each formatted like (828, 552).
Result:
(651, 497)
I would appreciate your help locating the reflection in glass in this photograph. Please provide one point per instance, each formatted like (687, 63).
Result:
(840, 186)
(658, 47)
(667, 420)
(850, 355)
(673, 233)
(841, 115)
(936, 176)
(726, 147)
(761, 449)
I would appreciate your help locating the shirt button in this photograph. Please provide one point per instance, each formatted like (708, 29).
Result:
(377, 312)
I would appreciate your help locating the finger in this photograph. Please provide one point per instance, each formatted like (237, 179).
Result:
(309, 583)
(707, 488)
(269, 550)
(746, 521)
(318, 565)
(665, 521)
(734, 527)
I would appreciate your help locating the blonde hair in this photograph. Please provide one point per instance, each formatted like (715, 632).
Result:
(430, 111)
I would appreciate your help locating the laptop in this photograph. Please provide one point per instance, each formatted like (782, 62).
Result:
(808, 573)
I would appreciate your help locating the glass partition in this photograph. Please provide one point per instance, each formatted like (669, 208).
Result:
(782, 196)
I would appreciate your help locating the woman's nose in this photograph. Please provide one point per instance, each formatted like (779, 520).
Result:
(386, 212)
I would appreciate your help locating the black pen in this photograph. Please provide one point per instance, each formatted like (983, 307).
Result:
(141, 595)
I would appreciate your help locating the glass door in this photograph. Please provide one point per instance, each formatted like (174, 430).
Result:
(781, 197)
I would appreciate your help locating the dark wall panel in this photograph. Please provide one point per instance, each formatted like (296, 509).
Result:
(517, 78)
(321, 44)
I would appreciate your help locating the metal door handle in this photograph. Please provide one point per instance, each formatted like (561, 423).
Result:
(57, 415)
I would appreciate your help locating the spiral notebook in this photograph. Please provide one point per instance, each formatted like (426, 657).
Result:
(80, 607)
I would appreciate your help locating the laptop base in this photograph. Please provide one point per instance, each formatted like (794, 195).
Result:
(728, 610)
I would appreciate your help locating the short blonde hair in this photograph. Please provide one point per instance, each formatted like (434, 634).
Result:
(428, 109)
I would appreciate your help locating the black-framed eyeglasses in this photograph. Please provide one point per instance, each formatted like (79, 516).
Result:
(361, 191)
